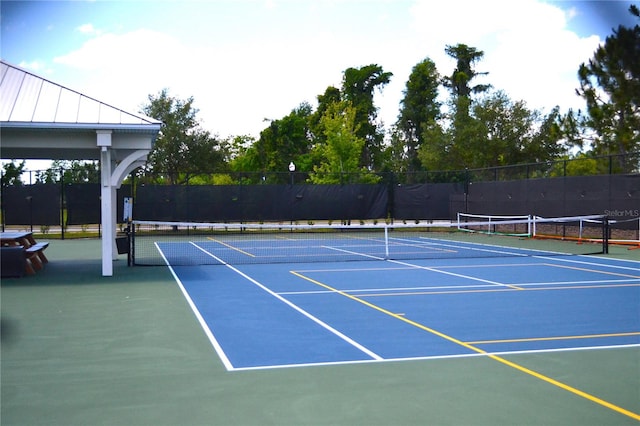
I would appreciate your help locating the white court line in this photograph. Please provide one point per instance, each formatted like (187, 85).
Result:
(203, 324)
(436, 357)
(542, 254)
(583, 262)
(427, 268)
(296, 307)
(482, 247)
(392, 290)
(377, 358)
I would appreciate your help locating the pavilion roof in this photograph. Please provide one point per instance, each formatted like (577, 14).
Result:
(29, 100)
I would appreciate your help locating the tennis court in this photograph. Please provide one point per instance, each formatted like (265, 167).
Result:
(268, 303)
(129, 349)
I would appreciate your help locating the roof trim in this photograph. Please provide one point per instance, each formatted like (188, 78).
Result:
(150, 128)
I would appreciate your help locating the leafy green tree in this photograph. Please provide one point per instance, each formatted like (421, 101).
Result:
(581, 164)
(79, 171)
(11, 173)
(70, 171)
(512, 133)
(437, 151)
(238, 149)
(342, 151)
(610, 85)
(418, 107)
(459, 81)
(183, 147)
(498, 132)
(285, 140)
(454, 141)
(358, 86)
(330, 96)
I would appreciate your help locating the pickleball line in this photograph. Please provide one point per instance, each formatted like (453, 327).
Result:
(497, 358)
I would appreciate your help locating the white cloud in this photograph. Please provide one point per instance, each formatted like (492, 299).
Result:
(235, 86)
(124, 69)
(38, 67)
(528, 52)
(572, 13)
(88, 29)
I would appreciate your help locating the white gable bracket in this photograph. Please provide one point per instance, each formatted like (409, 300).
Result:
(131, 162)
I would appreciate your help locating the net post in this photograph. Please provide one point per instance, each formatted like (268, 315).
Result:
(132, 243)
(127, 231)
(580, 231)
(605, 235)
(533, 224)
(386, 242)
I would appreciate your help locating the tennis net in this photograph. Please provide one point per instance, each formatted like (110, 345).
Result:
(578, 228)
(183, 243)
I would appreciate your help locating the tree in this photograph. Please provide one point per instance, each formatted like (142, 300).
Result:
(182, 148)
(459, 85)
(358, 86)
(437, 152)
(610, 85)
(579, 165)
(342, 151)
(284, 140)
(512, 133)
(11, 173)
(453, 141)
(331, 96)
(418, 107)
(459, 81)
(498, 132)
(70, 171)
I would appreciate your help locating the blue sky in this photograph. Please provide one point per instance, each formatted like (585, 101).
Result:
(248, 60)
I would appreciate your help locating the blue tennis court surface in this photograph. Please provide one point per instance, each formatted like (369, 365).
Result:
(295, 314)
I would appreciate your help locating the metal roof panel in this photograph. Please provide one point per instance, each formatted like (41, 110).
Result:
(9, 87)
(45, 110)
(27, 97)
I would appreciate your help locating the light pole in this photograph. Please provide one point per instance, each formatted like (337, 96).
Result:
(292, 169)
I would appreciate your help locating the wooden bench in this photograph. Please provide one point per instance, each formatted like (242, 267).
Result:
(35, 255)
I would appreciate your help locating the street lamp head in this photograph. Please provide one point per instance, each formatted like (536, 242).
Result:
(292, 167)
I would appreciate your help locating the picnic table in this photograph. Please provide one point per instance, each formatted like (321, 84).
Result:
(21, 252)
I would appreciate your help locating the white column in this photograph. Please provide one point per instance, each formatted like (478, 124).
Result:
(106, 200)
(114, 222)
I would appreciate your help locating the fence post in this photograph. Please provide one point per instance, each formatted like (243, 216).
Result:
(605, 235)
(62, 209)
(467, 182)
(610, 164)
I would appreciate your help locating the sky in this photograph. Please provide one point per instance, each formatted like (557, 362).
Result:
(249, 61)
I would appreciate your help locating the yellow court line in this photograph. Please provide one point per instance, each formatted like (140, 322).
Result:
(497, 358)
(514, 287)
(496, 290)
(618, 274)
(542, 339)
(231, 247)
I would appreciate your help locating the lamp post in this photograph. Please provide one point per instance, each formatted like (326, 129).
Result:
(292, 169)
